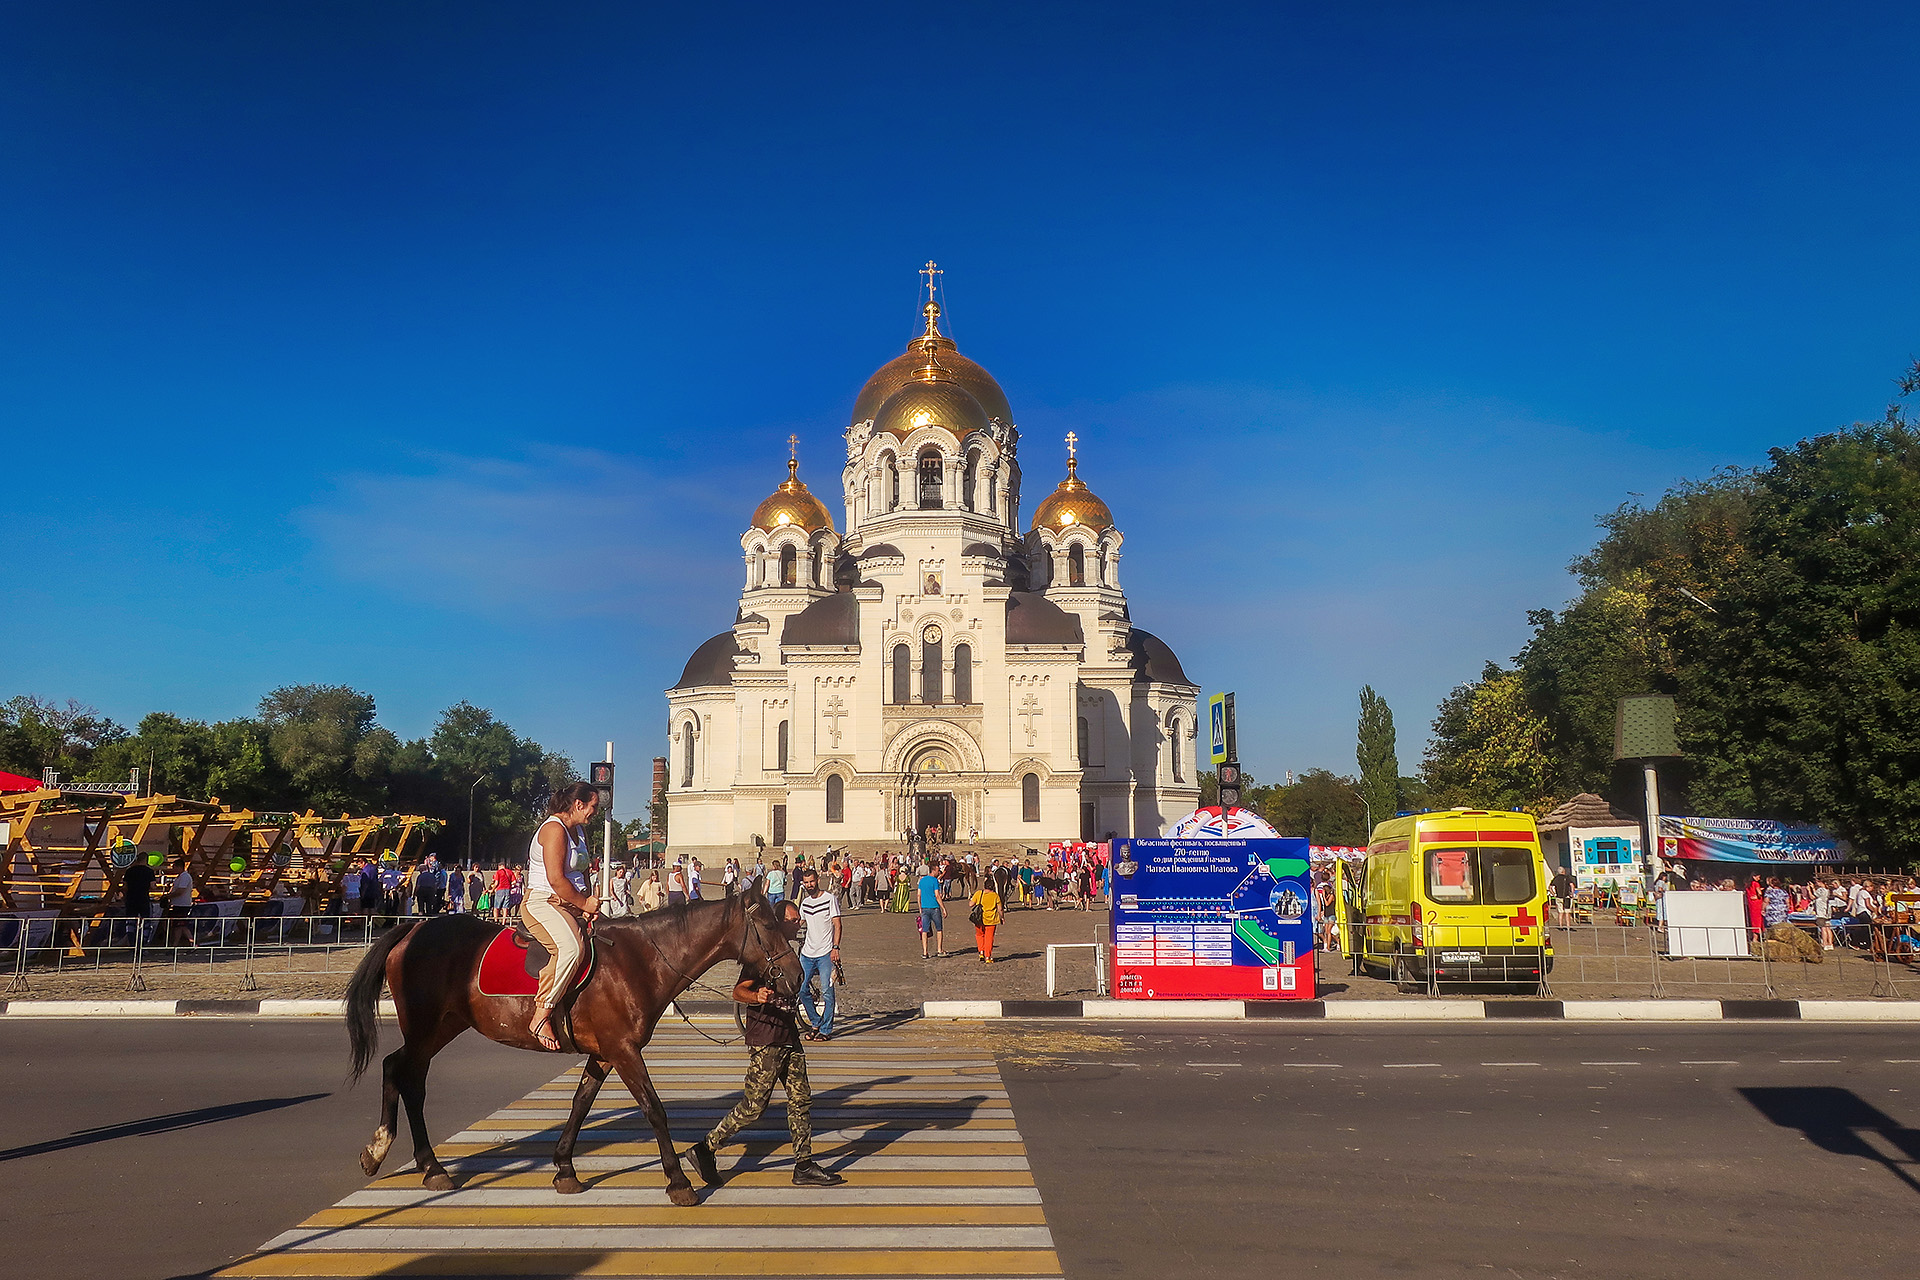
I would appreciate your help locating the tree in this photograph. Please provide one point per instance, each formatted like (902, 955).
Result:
(37, 734)
(325, 739)
(1322, 806)
(1378, 757)
(1489, 748)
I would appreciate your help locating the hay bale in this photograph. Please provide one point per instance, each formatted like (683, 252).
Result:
(1786, 941)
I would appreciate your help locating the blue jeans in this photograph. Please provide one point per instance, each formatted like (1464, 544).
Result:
(823, 966)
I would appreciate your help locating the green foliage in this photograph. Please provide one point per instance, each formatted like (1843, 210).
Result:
(38, 734)
(1780, 606)
(1489, 748)
(1378, 757)
(1322, 806)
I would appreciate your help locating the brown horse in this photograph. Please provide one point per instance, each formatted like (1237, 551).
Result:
(954, 872)
(640, 965)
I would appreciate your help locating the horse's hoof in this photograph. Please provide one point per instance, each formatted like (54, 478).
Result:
(568, 1185)
(683, 1195)
(369, 1163)
(438, 1182)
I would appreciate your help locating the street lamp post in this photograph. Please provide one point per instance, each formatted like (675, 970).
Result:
(470, 790)
(1366, 809)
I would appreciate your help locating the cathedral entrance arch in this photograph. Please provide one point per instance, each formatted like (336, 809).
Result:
(931, 769)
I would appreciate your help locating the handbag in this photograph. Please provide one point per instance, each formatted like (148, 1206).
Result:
(978, 916)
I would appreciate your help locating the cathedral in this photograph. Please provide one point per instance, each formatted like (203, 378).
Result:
(935, 665)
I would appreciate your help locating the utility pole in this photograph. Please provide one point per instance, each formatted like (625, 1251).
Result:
(476, 782)
(600, 774)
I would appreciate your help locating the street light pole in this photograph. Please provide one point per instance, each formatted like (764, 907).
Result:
(1366, 809)
(476, 782)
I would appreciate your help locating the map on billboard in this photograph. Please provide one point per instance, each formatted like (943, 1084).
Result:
(1227, 918)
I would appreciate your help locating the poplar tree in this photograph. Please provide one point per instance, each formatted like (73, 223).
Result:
(1378, 757)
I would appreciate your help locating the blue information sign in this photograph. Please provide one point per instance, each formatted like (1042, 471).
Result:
(1226, 919)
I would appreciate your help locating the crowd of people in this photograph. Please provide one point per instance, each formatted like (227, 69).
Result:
(1842, 908)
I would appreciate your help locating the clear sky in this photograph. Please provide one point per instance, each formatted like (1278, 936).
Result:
(444, 349)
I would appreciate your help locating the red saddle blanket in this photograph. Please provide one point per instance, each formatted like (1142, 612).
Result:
(503, 969)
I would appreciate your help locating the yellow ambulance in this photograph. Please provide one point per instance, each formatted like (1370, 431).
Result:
(1458, 896)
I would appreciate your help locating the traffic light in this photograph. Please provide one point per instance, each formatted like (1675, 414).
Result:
(600, 778)
(1228, 773)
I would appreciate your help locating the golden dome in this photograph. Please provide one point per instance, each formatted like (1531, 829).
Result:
(931, 347)
(1071, 504)
(931, 398)
(791, 506)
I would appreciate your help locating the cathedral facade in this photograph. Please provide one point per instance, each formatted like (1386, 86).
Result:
(936, 665)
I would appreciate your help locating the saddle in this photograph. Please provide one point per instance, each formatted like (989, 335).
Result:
(513, 960)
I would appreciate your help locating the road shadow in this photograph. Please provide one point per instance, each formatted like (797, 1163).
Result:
(170, 1123)
(1841, 1122)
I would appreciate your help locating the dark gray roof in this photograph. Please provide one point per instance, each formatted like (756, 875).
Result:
(981, 549)
(1034, 619)
(879, 549)
(1154, 660)
(711, 663)
(833, 619)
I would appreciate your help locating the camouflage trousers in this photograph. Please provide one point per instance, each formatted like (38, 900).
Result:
(768, 1066)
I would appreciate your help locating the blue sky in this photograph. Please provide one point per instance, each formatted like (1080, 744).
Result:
(443, 349)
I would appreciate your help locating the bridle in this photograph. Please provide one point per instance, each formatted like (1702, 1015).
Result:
(750, 928)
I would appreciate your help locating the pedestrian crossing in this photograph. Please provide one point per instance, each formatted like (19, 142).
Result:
(937, 1181)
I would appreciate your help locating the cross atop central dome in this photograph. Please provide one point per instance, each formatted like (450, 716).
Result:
(936, 348)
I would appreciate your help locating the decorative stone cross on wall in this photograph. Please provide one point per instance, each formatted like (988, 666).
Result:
(834, 710)
(1028, 710)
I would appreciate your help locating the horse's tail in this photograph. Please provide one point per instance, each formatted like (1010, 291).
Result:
(363, 997)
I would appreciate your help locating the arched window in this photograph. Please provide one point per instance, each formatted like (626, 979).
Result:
(972, 474)
(686, 754)
(1086, 739)
(1030, 798)
(1076, 566)
(1179, 768)
(932, 471)
(819, 564)
(780, 749)
(902, 675)
(890, 485)
(993, 493)
(930, 682)
(963, 674)
(789, 565)
(836, 798)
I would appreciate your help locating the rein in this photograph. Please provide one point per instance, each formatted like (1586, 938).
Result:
(748, 924)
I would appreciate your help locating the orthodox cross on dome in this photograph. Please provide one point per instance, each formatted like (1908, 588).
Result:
(793, 457)
(1073, 458)
(1028, 710)
(932, 308)
(834, 710)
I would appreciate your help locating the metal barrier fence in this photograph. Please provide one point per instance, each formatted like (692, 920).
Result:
(1857, 959)
(242, 948)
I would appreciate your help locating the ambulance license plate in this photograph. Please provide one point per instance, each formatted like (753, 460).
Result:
(1460, 957)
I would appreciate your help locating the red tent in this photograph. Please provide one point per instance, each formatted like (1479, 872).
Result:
(14, 782)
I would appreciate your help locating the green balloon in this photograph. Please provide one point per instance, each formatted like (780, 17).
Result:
(237, 865)
(155, 860)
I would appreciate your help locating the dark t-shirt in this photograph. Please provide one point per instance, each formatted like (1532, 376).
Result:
(138, 883)
(769, 1024)
(1562, 885)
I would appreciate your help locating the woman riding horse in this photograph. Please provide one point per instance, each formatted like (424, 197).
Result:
(557, 862)
(640, 965)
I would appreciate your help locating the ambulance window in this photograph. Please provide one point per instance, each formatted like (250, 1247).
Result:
(1506, 875)
(1450, 875)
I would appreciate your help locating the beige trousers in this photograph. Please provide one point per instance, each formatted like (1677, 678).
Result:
(559, 933)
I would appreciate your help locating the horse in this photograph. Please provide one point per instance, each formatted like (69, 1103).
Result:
(640, 964)
(952, 872)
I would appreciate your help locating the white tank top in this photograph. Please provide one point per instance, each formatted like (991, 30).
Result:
(578, 860)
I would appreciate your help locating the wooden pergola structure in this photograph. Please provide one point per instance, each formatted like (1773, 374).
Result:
(67, 851)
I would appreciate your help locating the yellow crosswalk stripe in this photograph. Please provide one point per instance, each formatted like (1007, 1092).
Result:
(937, 1182)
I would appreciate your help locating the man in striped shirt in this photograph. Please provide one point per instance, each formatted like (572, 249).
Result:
(819, 949)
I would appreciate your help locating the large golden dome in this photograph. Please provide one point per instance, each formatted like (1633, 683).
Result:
(1071, 504)
(931, 348)
(935, 400)
(791, 506)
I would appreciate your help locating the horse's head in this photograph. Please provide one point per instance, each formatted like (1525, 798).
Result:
(766, 952)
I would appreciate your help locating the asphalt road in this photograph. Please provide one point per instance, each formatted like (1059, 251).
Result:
(168, 1147)
(1490, 1150)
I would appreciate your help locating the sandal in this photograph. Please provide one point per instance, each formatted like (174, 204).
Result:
(548, 1040)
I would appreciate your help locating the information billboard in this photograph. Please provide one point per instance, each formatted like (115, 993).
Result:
(1221, 918)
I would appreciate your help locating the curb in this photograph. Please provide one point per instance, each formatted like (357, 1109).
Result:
(181, 1008)
(1433, 1010)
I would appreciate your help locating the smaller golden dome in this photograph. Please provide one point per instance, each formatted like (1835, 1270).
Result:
(791, 506)
(934, 399)
(1072, 504)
